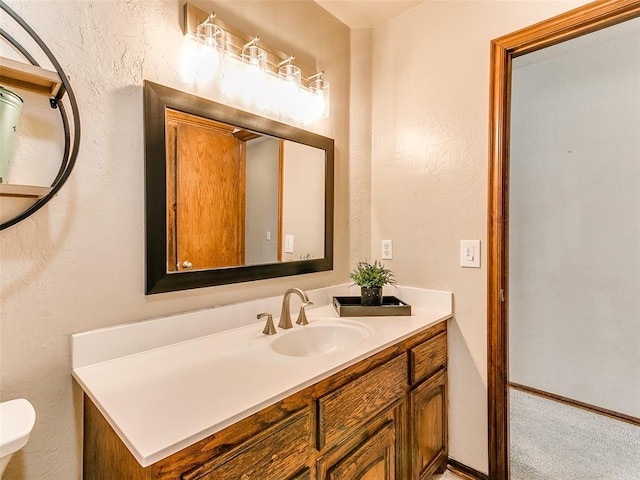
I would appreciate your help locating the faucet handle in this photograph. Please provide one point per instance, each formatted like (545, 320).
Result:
(269, 328)
(302, 316)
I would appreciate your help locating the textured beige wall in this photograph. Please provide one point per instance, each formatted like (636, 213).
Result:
(360, 143)
(429, 173)
(78, 264)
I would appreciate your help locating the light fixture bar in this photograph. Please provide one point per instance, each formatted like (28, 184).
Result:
(317, 75)
(235, 40)
(250, 71)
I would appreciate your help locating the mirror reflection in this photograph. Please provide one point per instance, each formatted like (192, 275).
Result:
(231, 196)
(236, 197)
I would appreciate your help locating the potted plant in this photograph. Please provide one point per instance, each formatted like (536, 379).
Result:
(371, 277)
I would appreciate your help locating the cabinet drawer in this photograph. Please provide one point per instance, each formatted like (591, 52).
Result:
(428, 357)
(351, 405)
(279, 452)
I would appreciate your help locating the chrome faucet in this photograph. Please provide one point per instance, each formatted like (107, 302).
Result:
(285, 315)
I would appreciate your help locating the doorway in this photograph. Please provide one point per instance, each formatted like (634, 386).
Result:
(587, 19)
(574, 265)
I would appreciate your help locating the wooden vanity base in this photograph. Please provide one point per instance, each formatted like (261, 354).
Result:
(383, 418)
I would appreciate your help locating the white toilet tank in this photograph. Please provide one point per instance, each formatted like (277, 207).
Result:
(17, 418)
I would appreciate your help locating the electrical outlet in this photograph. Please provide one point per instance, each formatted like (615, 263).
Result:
(387, 249)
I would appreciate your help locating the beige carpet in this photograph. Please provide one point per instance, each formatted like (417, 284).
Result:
(554, 441)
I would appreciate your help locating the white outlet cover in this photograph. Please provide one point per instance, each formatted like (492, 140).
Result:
(387, 250)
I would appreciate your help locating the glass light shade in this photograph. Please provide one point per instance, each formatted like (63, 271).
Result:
(209, 33)
(232, 79)
(200, 63)
(320, 90)
(319, 86)
(255, 56)
(290, 73)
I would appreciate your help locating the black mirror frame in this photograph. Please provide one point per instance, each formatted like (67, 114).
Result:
(157, 98)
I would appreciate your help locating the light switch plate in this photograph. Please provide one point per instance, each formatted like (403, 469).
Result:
(470, 253)
(288, 244)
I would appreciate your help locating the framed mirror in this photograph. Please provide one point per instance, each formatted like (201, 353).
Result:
(230, 196)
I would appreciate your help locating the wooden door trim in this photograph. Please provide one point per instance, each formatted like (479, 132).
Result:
(586, 19)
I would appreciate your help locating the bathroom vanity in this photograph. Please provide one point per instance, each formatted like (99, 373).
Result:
(375, 410)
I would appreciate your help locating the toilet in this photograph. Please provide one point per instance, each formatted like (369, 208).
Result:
(17, 418)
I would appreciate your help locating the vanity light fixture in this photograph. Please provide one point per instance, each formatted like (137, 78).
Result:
(254, 55)
(250, 77)
(320, 90)
(254, 74)
(202, 57)
(288, 72)
(209, 33)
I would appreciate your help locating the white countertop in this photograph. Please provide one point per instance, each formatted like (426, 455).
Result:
(163, 399)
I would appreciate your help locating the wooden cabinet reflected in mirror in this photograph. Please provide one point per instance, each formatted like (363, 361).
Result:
(231, 196)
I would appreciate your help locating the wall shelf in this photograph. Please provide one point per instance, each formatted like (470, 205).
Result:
(29, 77)
(33, 79)
(23, 191)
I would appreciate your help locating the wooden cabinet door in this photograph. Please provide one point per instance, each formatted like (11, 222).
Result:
(428, 427)
(373, 459)
(205, 194)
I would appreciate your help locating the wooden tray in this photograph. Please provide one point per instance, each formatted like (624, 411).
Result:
(391, 307)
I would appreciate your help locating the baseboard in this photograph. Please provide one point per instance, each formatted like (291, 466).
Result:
(465, 472)
(575, 403)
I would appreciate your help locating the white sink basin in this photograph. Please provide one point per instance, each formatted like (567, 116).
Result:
(321, 338)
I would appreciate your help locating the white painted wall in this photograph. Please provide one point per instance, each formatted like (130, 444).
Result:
(429, 173)
(574, 263)
(261, 208)
(303, 201)
(78, 264)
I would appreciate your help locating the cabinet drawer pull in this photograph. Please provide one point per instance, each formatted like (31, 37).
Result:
(274, 457)
(244, 477)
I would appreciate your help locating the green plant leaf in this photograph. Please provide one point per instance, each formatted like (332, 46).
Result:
(369, 275)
